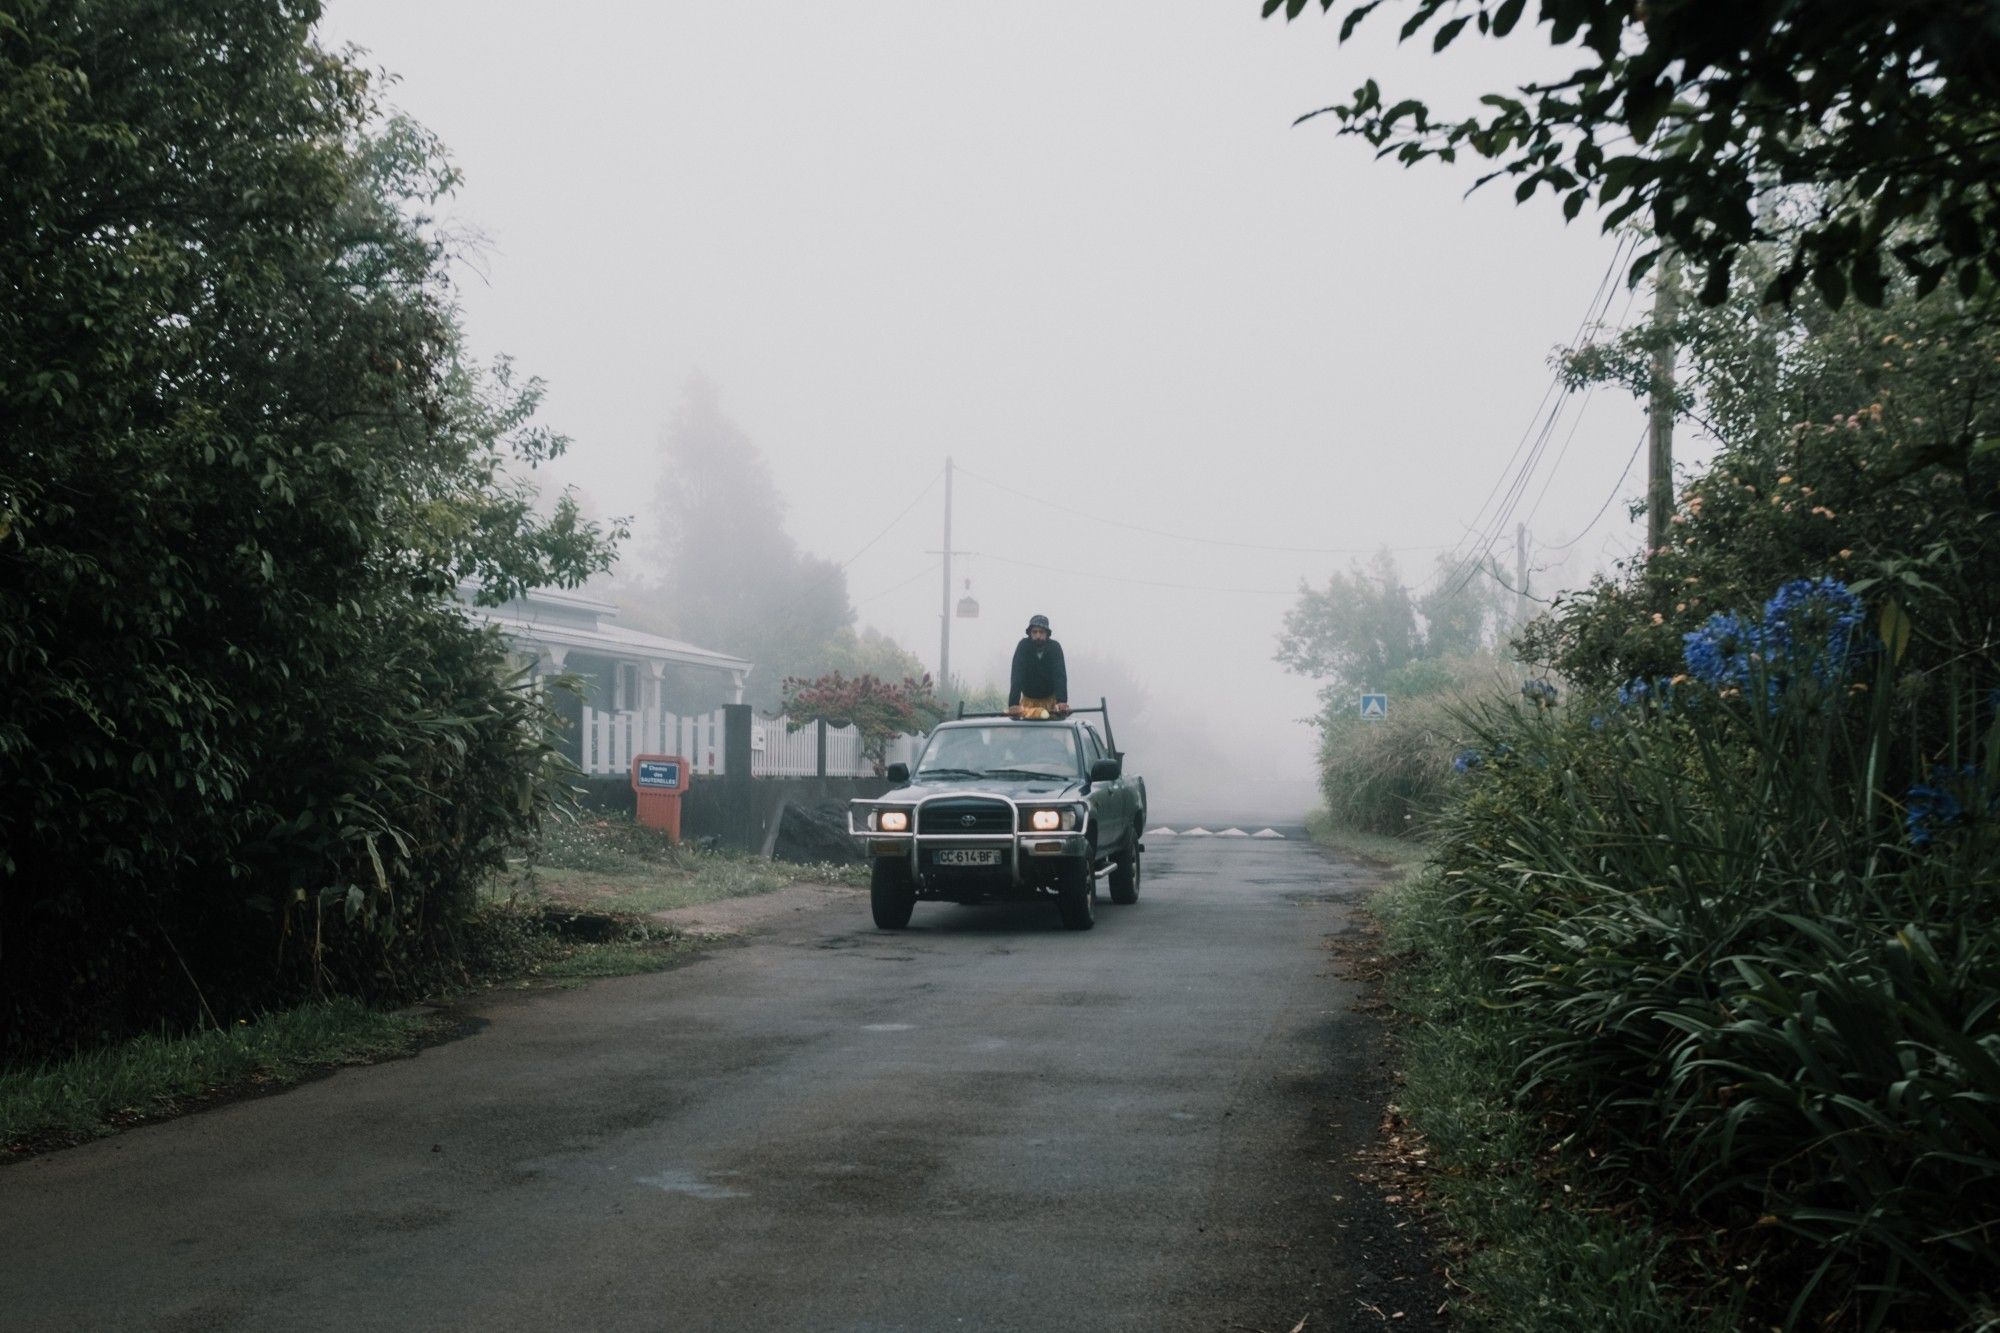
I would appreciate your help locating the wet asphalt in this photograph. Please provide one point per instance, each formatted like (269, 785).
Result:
(983, 1122)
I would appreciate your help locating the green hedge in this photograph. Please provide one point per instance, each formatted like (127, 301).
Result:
(1753, 985)
(250, 750)
(1394, 776)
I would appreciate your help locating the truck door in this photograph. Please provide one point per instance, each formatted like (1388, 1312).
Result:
(1120, 802)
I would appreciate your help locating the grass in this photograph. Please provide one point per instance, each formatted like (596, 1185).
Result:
(1531, 1256)
(620, 958)
(1330, 832)
(1535, 1253)
(613, 865)
(147, 1078)
(576, 916)
(641, 894)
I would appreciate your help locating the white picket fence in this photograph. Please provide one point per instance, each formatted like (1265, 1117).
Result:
(776, 751)
(609, 740)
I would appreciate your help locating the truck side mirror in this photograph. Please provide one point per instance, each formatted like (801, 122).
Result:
(1105, 770)
(898, 774)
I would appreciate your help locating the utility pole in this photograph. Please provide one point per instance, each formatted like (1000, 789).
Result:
(1660, 454)
(944, 607)
(1521, 611)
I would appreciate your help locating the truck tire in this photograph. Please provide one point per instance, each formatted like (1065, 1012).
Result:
(892, 894)
(1076, 896)
(1125, 871)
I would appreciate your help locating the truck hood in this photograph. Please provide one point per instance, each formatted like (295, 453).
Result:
(1018, 789)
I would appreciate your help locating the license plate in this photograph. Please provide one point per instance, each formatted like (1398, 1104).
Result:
(969, 856)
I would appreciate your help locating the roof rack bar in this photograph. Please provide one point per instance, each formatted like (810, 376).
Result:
(1102, 709)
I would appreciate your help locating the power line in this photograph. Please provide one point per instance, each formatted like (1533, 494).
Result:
(898, 587)
(1144, 583)
(813, 585)
(1188, 536)
(1583, 409)
(901, 515)
(1605, 507)
(1521, 469)
(1522, 475)
(1555, 381)
(1549, 477)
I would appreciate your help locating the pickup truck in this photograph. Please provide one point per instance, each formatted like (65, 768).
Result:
(1003, 810)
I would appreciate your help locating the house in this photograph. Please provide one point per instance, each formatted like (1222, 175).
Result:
(633, 689)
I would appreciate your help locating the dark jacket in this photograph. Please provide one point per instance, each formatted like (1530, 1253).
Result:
(1038, 672)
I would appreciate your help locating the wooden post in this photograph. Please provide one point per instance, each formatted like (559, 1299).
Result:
(944, 609)
(1660, 453)
(820, 726)
(1522, 609)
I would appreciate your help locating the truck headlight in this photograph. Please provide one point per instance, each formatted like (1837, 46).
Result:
(889, 821)
(1049, 821)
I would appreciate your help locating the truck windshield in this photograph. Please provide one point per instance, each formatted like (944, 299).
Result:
(1012, 749)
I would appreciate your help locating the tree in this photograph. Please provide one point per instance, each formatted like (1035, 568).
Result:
(1855, 445)
(1461, 615)
(1363, 627)
(1707, 120)
(729, 576)
(871, 653)
(878, 709)
(249, 745)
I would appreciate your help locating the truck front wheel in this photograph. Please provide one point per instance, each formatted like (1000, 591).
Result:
(1076, 893)
(892, 893)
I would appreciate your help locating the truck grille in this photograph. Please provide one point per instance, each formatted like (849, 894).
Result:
(951, 817)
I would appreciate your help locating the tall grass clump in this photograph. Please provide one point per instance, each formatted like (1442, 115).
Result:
(1524, 1265)
(1746, 919)
(1391, 777)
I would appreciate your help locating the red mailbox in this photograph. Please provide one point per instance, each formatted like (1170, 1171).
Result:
(659, 780)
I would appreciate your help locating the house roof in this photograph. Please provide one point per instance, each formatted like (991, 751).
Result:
(518, 621)
(565, 597)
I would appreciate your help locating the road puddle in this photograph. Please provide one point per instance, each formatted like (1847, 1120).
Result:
(688, 1183)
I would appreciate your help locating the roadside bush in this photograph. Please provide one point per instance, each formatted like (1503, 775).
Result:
(1394, 776)
(250, 750)
(1853, 444)
(1752, 984)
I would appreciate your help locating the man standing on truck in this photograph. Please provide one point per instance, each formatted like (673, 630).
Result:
(1039, 683)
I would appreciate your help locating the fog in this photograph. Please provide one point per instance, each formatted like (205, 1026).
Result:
(1083, 251)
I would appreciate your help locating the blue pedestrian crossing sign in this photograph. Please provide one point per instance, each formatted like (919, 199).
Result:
(1374, 707)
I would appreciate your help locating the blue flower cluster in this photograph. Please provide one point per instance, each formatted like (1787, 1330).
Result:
(1810, 628)
(1540, 693)
(1467, 760)
(1639, 690)
(1939, 805)
(1726, 650)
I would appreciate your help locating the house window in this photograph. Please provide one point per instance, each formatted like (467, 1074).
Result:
(628, 686)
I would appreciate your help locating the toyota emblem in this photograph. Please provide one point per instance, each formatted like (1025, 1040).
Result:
(967, 821)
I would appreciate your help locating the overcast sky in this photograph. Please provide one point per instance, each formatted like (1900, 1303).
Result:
(1079, 248)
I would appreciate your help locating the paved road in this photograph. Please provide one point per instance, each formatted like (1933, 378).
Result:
(984, 1122)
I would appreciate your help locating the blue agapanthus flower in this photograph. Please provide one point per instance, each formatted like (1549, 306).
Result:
(1639, 691)
(1939, 805)
(1540, 693)
(1467, 760)
(1726, 650)
(1812, 628)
